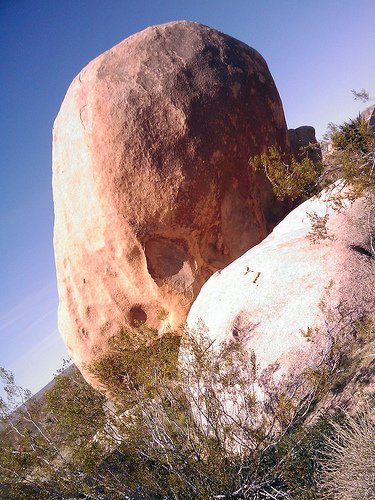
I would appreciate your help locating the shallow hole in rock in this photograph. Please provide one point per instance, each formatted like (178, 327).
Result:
(84, 333)
(137, 316)
(168, 262)
(165, 258)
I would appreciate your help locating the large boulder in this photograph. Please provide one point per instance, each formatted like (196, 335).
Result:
(151, 184)
(295, 298)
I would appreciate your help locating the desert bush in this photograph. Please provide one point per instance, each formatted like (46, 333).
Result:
(354, 135)
(134, 356)
(196, 430)
(351, 157)
(289, 178)
(190, 439)
(48, 445)
(203, 433)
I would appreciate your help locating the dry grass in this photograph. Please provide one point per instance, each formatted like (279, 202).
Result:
(349, 465)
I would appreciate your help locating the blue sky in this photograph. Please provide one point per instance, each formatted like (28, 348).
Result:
(317, 52)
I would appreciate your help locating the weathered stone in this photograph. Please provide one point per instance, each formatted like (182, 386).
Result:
(290, 298)
(303, 141)
(369, 115)
(151, 183)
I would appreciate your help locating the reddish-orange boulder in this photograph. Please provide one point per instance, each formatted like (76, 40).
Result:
(151, 183)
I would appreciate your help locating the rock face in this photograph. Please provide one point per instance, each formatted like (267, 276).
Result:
(302, 137)
(369, 115)
(270, 297)
(151, 184)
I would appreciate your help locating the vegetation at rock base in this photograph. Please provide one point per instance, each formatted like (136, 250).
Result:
(196, 432)
(352, 443)
(124, 367)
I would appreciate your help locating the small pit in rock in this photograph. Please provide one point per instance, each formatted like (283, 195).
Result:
(137, 316)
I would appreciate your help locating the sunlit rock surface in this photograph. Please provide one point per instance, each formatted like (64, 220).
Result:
(290, 298)
(369, 115)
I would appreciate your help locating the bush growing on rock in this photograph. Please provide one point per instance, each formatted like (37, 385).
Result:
(354, 135)
(350, 156)
(289, 178)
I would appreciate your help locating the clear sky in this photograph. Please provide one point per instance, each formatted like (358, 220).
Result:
(317, 52)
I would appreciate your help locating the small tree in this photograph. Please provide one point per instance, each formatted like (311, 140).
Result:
(49, 448)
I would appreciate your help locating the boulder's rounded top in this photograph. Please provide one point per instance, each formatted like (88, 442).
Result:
(182, 38)
(167, 29)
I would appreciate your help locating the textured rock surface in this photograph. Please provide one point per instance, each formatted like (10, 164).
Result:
(369, 115)
(277, 290)
(151, 184)
(302, 137)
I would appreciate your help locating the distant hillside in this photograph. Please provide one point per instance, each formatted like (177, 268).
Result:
(38, 397)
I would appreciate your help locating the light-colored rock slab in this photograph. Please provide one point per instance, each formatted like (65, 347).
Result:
(269, 298)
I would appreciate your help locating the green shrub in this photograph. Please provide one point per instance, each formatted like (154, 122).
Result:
(354, 135)
(196, 430)
(289, 178)
(351, 157)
